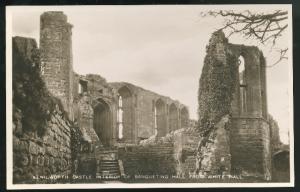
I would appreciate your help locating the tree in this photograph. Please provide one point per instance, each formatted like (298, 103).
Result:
(263, 27)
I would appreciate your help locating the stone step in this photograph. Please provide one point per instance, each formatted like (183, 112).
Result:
(106, 150)
(108, 168)
(108, 161)
(108, 165)
(109, 171)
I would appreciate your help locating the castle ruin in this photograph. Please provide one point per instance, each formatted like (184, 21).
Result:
(112, 129)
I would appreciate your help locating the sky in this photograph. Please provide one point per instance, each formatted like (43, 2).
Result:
(160, 48)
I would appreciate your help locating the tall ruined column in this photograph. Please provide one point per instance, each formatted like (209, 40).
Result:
(56, 56)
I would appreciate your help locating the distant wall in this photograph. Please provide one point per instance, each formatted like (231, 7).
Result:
(144, 103)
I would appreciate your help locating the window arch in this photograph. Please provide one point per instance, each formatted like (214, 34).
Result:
(160, 118)
(173, 117)
(102, 122)
(125, 113)
(184, 117)
(242, 86)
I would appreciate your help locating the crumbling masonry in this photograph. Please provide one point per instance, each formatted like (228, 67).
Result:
(233, 118)
(109, 129)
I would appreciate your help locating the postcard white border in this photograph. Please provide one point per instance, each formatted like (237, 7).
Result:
(9, 150)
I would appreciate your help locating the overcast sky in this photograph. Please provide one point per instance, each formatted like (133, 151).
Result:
(160, 48)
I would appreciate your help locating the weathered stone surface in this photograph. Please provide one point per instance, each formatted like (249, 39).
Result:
(85, 117)
(56, 56)
(215, 154)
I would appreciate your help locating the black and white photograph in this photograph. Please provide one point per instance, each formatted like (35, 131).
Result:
(149, 96)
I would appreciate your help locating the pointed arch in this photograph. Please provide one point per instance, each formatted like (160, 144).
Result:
(184, 117)
(160, 118)
(103, 121)
(173, 117)
(242, 85)
(125, 114)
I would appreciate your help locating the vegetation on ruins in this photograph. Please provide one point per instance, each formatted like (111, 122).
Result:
(30, 94)
(216, 88)
(264, 27)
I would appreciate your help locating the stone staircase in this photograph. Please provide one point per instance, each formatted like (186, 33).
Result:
(109, 169)
(108, 164)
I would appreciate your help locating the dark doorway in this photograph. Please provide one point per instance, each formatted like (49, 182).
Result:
(102, 122)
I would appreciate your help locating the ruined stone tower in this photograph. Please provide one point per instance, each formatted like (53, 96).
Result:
(56, 56)
(233, 84)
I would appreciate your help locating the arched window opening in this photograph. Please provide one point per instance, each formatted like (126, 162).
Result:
(120, 118)
(173, 117)
(125, 114)
(184, 116)
(160, 118)
(155, 121)
(242, 85)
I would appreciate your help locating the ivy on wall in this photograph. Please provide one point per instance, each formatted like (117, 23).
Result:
(30, 94)
(216, 87)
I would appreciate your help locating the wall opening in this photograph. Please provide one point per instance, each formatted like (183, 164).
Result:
(173, 117)
(82, 86)
(184, 117)
(242, 86)
(103, 122)
(160, 118)
(125, 114)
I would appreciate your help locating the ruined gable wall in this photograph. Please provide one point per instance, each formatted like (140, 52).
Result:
(250, 130)
(219, 95)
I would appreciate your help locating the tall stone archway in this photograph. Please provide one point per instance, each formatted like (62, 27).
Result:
(125, 114)
(173, 117)
(103, 122)
(160, 118)
(184, 117)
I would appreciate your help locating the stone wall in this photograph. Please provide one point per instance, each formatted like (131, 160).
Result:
(37, 158)
(281, 165)
(148, 160)
(185, 147)
(250, 147)
(215, 154)
(41, 129)
(274, 132)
